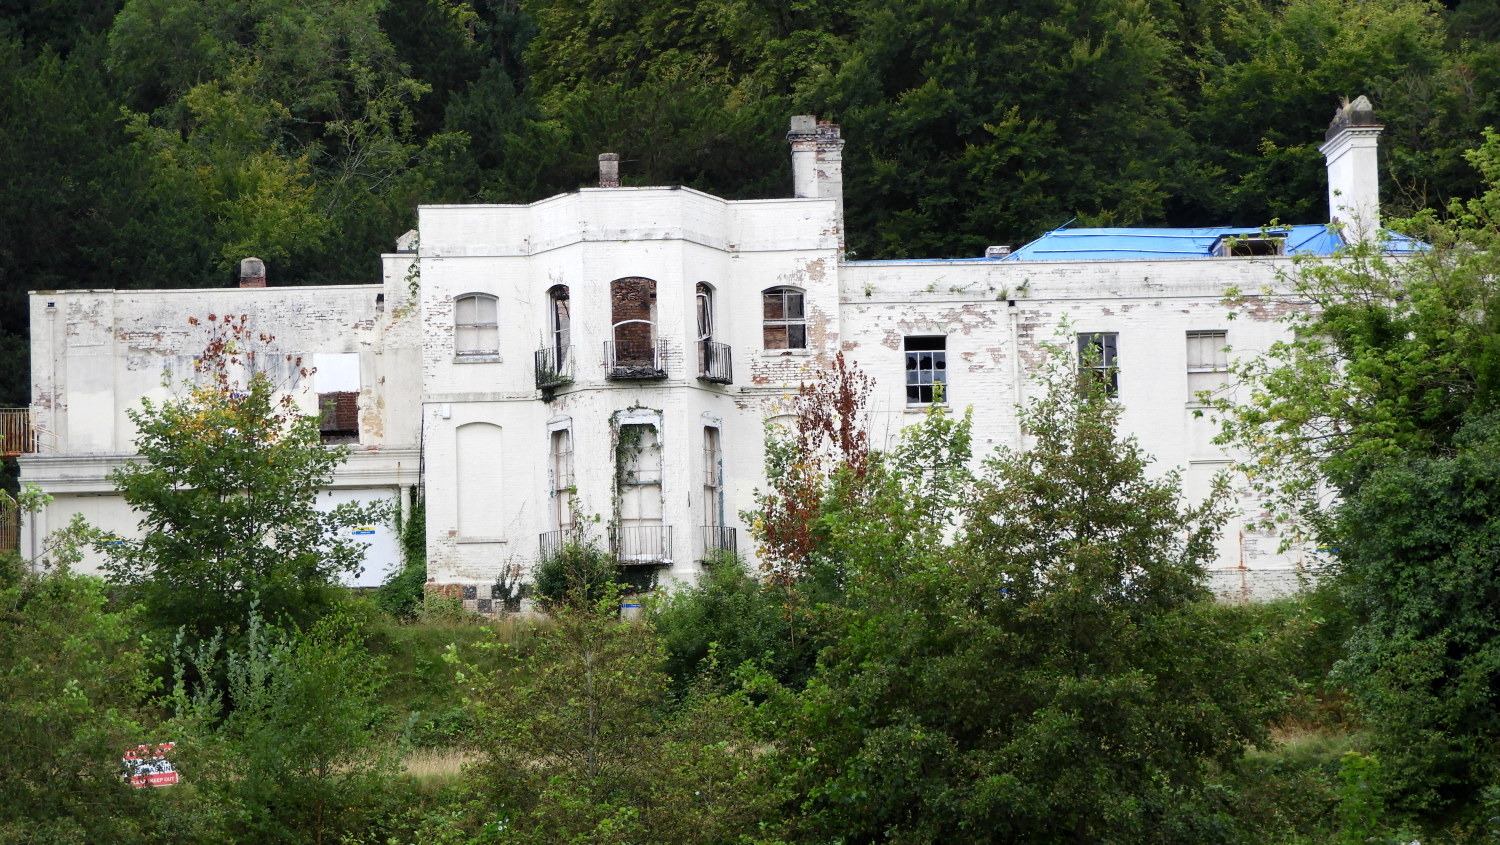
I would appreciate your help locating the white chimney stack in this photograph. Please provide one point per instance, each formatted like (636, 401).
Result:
(817, 160)
(1354, 170)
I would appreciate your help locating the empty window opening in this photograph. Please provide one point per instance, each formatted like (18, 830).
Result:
(338, 417)
(1239, 246)
(633, 349)
(476, 330)
(1207, 364)
(785, 315)
(926, 370)
(1098, 352)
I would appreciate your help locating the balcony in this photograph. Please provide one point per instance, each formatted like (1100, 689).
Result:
(719, 540)
(713, 362)
(635, 359)
(552, 542)
(647, 545)
(18, 432)
(554, 367)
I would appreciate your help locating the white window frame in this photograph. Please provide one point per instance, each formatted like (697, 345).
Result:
(482, 327)
(783, 323)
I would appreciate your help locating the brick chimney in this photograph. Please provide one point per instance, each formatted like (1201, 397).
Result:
(252, 273)
(817, 159)
(1354, 170)
(609, 170)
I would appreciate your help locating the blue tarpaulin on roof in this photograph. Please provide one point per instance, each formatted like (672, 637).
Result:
(1123, 243)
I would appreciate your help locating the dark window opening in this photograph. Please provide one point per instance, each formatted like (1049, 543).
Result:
(338, 417)
(926, 370)
(1098, 352)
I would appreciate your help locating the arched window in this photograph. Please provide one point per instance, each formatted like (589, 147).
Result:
(560, 320)
(476, 329)
(633, 350)
(713, 358)
(705, 300)
(785, 318)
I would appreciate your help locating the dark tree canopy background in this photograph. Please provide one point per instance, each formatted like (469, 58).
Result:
(154, 143)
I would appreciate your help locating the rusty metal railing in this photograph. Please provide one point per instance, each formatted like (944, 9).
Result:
(18, 432)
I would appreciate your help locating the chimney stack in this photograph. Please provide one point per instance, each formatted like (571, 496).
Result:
(609, 170)
(817, 160)
(1354, 170)
(252, 273)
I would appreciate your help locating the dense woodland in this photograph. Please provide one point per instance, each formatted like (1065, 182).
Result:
(154, 143)
(1012, 648)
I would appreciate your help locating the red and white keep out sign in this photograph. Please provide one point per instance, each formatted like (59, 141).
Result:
(147, 765)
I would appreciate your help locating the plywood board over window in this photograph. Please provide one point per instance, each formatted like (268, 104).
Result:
(477, 482)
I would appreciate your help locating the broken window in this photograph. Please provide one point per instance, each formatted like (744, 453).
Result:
(926, 370)
(338, 416)
(1098, 352)
(561, 325)
(476, 329)
(632, 351)
(1207, 363)
(785, 319)
(1249, 244)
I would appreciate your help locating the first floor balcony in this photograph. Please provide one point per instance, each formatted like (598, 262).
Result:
(554, 367)
(627, 359)
(714, 363)
(18, 432)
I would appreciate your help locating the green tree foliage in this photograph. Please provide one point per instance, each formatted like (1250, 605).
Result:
(226, 490)
(725, 621)
(1394, 355)
(71, 685)
(1388, 395)
(1053, 675)
(575, 748)
(1420, 541)
(286, 750)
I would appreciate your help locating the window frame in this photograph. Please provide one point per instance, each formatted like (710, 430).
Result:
(783, 323)
(1106, 369)
(922, 383)
(1218, 362)
(477, 325)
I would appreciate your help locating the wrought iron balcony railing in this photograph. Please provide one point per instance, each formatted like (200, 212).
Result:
(641, 544)
(553, 542)
(719, 540)
(18, 432)
(554, 367)
(713, 362)
(635, 359)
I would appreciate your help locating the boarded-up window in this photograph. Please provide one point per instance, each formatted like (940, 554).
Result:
(478, 484)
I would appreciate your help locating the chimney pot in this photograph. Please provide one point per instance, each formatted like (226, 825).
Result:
(609, 170)
(252, 273)
(1350, 150)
